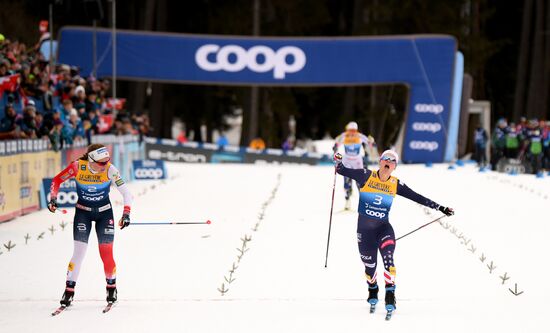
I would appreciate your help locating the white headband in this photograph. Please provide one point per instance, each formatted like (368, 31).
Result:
(98, 154)
(391, 153)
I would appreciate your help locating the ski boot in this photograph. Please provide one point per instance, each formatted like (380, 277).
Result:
(68, 295)
(390, 297)
(373, 296)
(111, 291)
(390, 300)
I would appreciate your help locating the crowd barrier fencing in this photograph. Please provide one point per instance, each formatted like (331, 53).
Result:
(195, 152)
(24, 164)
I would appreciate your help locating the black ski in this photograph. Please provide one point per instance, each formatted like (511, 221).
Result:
(59, 310)
(372, 307)
(389, 314)
(108, 307)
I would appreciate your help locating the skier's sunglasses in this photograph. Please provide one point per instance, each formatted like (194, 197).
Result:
(100, 163)
(388, 159)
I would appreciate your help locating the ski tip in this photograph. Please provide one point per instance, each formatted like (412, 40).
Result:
(208, 222)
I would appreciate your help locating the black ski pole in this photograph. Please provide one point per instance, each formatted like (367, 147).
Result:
(330, 220)
(422, 226)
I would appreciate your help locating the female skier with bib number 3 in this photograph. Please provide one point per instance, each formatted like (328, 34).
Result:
(374, 231)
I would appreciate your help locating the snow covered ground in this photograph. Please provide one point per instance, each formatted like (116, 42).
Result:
(265, 250)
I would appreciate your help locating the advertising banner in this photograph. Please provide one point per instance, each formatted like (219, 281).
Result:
(425, 63)
(196, 153)
(23, 164)
(177, 153)
(149, 169)
(514, 166)
(278, 159)
(67, 195)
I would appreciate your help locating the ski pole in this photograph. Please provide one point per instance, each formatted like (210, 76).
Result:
(330, 220)
(422, 226)
(163, 223)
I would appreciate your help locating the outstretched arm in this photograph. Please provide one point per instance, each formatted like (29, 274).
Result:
(68, 172)
(359, 175)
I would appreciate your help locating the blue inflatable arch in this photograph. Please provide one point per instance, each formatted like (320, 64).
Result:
(427, 64)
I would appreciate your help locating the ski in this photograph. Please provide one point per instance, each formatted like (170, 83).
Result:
(108, 307)
(389, 314)
(59, 310)
(372, 308)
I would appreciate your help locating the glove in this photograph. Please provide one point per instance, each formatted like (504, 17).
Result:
(370, 140)
(337, 158)
(446, 210)
(124, 221)
(52, 205)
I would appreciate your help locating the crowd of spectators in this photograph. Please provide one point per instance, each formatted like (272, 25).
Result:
(527, 140)
(57, 103)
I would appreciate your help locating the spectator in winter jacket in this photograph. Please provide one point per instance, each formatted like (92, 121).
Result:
(28, 123)
(498, 141)
(534, 146)
(480, 142)
(8, 124)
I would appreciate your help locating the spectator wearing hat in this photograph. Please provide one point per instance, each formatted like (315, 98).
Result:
(39, 123)
(79, 95)
(73, 130)
(65, 109)
(8, 124)
(28, 123)
(498, 141)
(534, 145)
(91, 101)
(4, 69)
(56, 134)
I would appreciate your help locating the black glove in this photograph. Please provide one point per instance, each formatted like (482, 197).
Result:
(446, 210)
(52, 205)
(124, 221)
(337, 158)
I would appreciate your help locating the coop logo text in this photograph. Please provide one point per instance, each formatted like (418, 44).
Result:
(259, 59)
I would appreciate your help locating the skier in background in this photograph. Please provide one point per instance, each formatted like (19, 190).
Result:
(374, 231)
(352, 140)
(93, 174)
